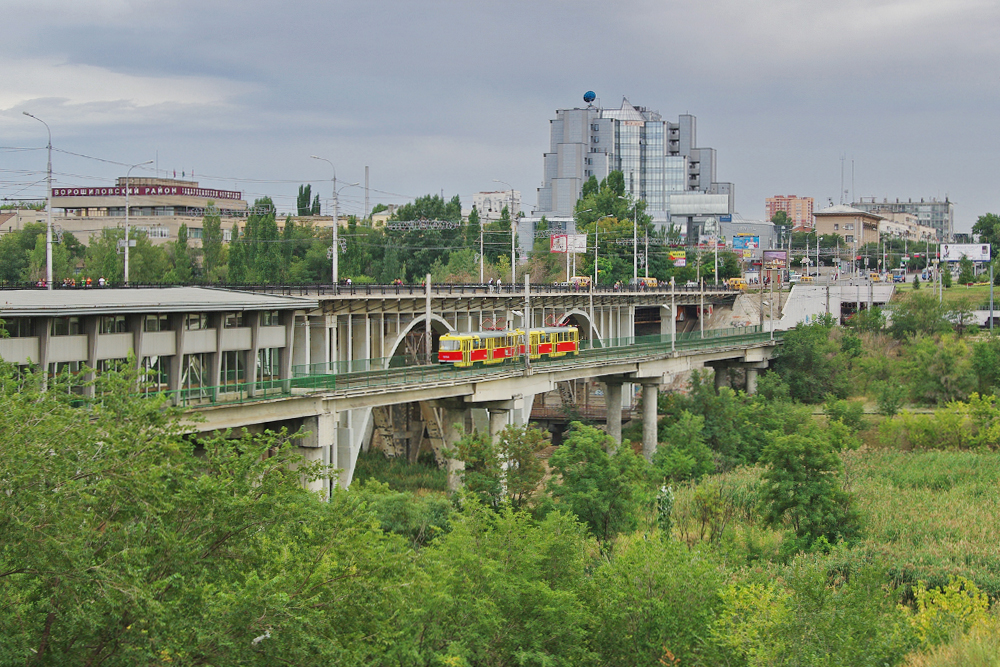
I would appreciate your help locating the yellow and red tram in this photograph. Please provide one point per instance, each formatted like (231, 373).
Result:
(494, 347)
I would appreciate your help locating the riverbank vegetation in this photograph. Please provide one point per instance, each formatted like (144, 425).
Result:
(844, 518)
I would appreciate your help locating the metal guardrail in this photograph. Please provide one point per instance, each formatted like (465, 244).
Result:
(367, 374)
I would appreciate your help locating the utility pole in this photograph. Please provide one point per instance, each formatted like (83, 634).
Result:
(334, 249)
(513, 234)
(128, 187)
(48, 206)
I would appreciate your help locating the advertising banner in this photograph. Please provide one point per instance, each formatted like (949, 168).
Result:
(953, 252)
(678, 257)
(557, 243)
(577, 243)
(745, 242)
(775, 259)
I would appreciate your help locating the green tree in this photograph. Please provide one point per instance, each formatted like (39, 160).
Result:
(603, 490)
(153, 554)
(938, 369)
(987, 228)
(783, 225)
(255, 256)
(507, 592)
(182, 271)
(810, 363)
(15, 251)
(919, 314)
(211, 244)
(986, 364)
(505, 469)
(683, 453)
(802, 489)
(148, 264)
(62, 262)
(303, 202)
(966, 271)
(653, 597)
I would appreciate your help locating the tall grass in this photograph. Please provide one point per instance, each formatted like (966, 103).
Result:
(930, 514)
(400, 474)
(979, 648)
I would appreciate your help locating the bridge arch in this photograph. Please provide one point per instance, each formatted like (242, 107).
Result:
(581, 320)
(439, 326)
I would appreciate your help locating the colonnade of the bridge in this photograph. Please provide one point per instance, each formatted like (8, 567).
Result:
(351, 335)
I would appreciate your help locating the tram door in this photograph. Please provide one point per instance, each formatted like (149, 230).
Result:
(466, 347)
(534, 341)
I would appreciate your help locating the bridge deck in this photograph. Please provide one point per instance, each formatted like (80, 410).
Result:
(380, 375)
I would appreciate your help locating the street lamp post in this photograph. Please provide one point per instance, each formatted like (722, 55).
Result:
(334, 250)
(48, 206)
(513, 232)
(128, 187)
(635, 240)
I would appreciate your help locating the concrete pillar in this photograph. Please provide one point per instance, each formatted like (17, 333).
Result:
(480, 420)
(319, 444)
(498, 421)
(613, 400)
(453, 423)
(90, 328)
(650, 393)
(302, 348)
(319, 343)
(720, 378)
(751, 381)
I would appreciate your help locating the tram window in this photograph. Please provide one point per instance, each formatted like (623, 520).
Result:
(449, 345)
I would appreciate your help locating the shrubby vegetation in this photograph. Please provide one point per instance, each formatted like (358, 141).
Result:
(784, 528)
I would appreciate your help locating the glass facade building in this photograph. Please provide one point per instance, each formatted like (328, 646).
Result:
(657, 158)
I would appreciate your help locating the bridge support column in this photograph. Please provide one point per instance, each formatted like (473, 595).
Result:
(613, 401)
(720, 377)
(498, 420)
(454, 428)
(751, 381)
(650, 393)
(319, 444)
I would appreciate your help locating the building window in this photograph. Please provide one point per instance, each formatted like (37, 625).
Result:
(233, 320)
(156, 374)
(194, 372)
(19, 327)
(849, 225)
(195, 321)
(849, 238)
(233, 368)
(65, 326)
(158, 322)
(112, 324)
(268, 364)
(836, 226)
(269, 318)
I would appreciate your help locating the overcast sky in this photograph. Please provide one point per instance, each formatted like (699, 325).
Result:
(451, 94)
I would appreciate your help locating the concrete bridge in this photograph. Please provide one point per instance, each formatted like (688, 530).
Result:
(356, 366)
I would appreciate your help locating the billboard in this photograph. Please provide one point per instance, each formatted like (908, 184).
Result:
(977, 252)
(573, 243)
(745, 242)
(775, 259)
(678, 257)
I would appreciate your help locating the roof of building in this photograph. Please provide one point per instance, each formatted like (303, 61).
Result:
(627, 112)
(843, 209)
(104, 301)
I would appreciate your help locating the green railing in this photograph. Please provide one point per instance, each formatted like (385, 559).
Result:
(385, 372)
